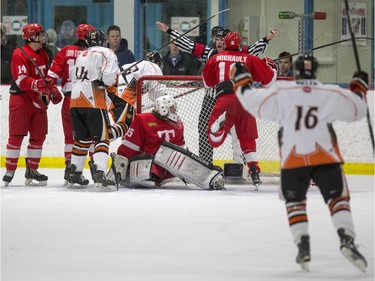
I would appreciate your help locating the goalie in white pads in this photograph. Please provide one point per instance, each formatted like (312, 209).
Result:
(153, 148)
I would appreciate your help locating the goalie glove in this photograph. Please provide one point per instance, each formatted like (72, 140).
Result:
(223, 88)
(240, 75)
(219, 123)
(359, 84)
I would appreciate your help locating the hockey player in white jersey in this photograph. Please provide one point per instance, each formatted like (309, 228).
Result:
(305, 109)
(122, 103)
(96, 73)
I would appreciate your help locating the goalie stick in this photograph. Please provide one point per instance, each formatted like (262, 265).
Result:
(359, 69)
(183, 34)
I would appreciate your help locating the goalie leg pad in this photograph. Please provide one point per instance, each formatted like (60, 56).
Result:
(140, 169)
(118, 169)
(189, 167)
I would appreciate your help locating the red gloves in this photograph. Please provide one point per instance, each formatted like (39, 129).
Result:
(43, 86)
(55, 96)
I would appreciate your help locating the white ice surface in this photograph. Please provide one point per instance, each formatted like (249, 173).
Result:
(176, 233)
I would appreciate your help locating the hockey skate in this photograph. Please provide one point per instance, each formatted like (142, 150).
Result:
(34, 178)
(66, 172)
(350, 251)
(253, 172)
(7, 178)
(100, 181)
(303, 257)
(76, 178)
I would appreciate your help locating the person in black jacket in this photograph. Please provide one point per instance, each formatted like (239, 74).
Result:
(119, 45)
(177, 62)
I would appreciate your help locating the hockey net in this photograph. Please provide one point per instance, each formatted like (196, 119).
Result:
(194, 110)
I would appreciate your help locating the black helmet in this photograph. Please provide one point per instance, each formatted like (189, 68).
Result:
(96, 38)
(154, 57)
(214, 30)
(221, 33)
(305, 67)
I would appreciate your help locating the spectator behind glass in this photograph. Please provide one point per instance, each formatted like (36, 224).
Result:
(177, 62)
(67, 34)
(6, 55)
(50, 46)
(285, 63)
(119, 45)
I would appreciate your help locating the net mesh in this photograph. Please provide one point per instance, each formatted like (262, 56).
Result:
(194, 107)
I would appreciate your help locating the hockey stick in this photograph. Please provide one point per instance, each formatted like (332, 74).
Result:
(323, 46)
(173, 40)
(34, 63)
(37, 68)
(359, 69)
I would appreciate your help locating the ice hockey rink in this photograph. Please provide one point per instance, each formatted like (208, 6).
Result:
(175, 233)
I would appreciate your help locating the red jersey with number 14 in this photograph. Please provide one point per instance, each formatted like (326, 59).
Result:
(147, 132)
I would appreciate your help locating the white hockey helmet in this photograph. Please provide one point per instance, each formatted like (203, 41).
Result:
(166, 106)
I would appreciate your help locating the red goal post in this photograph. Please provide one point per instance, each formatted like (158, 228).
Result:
(189, 92)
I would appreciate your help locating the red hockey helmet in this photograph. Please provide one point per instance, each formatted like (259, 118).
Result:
(83, 30)
(232, 41)
(32, 30)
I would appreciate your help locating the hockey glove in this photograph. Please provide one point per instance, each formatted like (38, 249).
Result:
(55, 96)
(271, 64)
(219, 123)
(225, 87)
(43, 86)
(359, 84)
(240, 76)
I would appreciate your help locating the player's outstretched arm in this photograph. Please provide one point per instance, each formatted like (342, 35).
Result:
(162, 26)
(260, 46)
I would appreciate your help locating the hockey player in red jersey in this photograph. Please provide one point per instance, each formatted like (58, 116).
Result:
(63, 67)
(204, 53)
(309, 150)
(227, 111)
(154, 145)
(30, 94)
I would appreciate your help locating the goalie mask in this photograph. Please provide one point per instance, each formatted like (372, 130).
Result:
(305, 67)
(166, 106)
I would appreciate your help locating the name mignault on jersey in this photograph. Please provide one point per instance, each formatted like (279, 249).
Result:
(231, 58)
